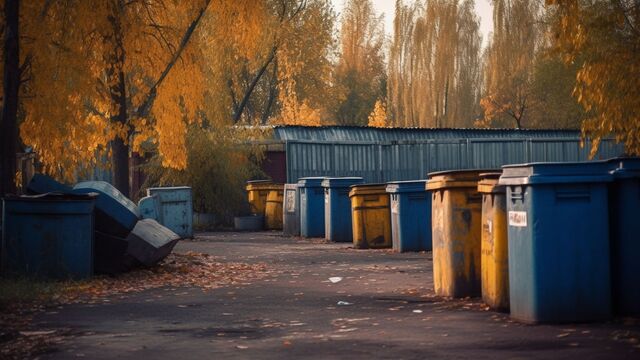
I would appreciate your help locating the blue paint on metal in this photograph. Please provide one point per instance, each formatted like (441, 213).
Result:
(558, 232)
(149, 242)
(41, 184)
(410, 215)
(383, 155)
(175, 208)
(149, 207)
(115, 214)
(337, 208)
(50, 236)
(624, 202)
(291, 210)
(311, 207)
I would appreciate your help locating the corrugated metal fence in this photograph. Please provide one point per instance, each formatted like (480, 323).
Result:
(408, 160)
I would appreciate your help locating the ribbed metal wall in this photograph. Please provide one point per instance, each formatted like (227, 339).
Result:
(382, 161)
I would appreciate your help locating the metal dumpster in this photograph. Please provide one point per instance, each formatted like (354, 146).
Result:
(410, 215)
(174, 208)
(558, 231)
(337, 208)
(257, 191)
(624, 202)
(49, 235)
(311, 207)
(494, 262)
(455, 220)
(149, 242)
(273, 208)
(371, 216)
(115, 214)
(291, 211)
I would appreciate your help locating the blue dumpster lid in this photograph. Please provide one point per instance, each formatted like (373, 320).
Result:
(555, 173)
(40, 184)
(168, 188)
(112, 201)
(625, 167)
(336, 182)
(311, 181)
(54, 196)
(406, 186)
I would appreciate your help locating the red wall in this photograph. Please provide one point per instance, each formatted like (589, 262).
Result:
(275, 166)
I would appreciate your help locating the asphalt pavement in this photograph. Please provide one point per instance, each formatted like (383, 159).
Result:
(323, 301)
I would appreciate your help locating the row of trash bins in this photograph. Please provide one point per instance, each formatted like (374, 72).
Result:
(548, 242)
(58, 231)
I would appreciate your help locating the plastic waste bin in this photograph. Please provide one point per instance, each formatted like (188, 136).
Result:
(558, 231)
(371, 216)
(49, 235)
(410, 215)
(291, 210)
(455, 220)
(311, 207)
(337, 208)
(257, 191)
(624, 202)
(273, 208)
(171, 207)
(494, 263)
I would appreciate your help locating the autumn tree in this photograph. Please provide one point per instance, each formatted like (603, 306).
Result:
(111, 75)
(378, 117)
(434, 77)
(510, 63)
(360, 76)
(11, 83)
(603, 39)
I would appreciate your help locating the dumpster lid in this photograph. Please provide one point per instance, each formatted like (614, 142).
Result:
(54, 196)
(259, 181)
(265, 186)
(368, 189)
(556, 173)
(406, 186)
(341, 181)
(488, 183)
(455, 178)
(625, 167)
(311, 181)
(168, 188)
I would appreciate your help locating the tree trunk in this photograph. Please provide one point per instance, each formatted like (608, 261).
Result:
(11, 86)
(119, 149)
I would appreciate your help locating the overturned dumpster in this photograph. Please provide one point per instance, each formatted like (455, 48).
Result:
(118, 241)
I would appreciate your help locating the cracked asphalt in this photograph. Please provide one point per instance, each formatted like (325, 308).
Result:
(383, 307)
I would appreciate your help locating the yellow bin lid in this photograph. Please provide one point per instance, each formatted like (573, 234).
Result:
(368, 189)
(264, 186)
(455, 179)
(489, 183)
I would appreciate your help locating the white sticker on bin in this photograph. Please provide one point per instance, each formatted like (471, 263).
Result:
(518, 218)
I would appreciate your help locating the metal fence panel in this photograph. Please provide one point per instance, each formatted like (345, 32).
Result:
(392, 161)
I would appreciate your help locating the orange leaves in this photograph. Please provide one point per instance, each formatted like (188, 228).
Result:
(378, 117)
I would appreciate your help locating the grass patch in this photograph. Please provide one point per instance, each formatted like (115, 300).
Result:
(16, 292)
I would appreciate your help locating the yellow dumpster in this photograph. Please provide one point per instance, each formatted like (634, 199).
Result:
(257, 191)
(371, 216)
(455, 220)
(273, 209)
(494, 250)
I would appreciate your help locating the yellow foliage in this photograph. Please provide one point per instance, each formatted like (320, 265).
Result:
(605, 38)
(378, 117)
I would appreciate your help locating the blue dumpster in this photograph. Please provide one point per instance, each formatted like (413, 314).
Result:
(558, 230)
(175, 209)
(624, 202)
(291, 210)
(410, 215)
(337, 208)
(48, 236)
(115, 213)
(311, 207)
